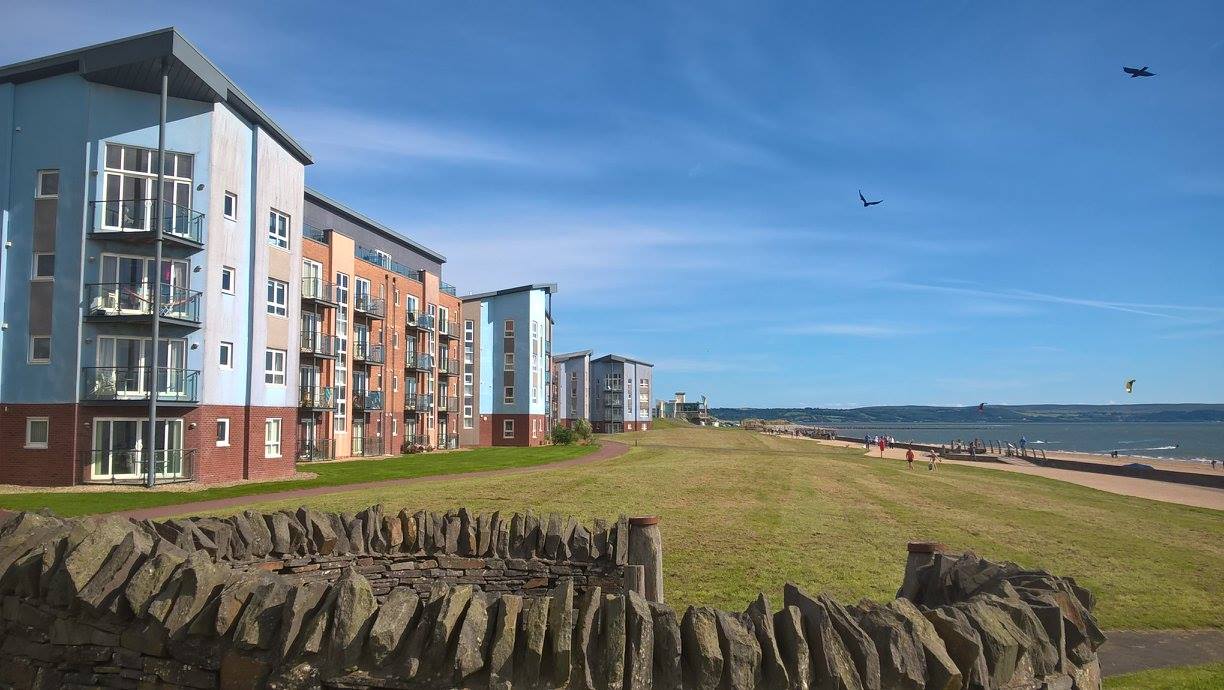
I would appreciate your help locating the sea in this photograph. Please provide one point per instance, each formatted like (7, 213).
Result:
(1189, 441)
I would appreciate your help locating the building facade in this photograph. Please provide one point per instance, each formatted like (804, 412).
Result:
(678, 408)
(571, 380)
(620, 394)
(511, 352)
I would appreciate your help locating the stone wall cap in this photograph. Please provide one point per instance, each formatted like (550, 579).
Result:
(644, 521)
(926, 547)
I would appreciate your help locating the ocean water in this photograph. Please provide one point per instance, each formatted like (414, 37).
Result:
(1199, 442)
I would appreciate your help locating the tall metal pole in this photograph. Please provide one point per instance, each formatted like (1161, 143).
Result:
(158, 219)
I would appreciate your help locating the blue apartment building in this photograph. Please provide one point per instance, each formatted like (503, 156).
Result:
(620, 394)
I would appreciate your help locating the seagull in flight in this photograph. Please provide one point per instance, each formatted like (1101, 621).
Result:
(1140, 72)
(868, 203)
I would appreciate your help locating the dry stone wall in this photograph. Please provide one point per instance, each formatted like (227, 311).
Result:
(311, 600)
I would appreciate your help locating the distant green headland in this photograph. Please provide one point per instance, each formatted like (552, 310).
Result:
(990, 414)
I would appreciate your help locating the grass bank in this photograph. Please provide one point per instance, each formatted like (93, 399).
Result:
(1208, 677)
(335, 474)
(743, 512)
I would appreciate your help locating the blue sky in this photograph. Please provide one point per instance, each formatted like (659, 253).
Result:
(688, 174)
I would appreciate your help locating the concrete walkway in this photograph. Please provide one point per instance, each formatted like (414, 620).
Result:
(1128, 651)
(606, 450)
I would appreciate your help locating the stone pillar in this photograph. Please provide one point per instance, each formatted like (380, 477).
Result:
(635, 580)
(921, 553)
(646, 550)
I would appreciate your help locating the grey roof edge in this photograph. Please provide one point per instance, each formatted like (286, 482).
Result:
(550, 288)
(359, 217)
(571, 355)
(181, 49)
(621, 358)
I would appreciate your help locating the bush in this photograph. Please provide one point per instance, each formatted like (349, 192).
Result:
(582, 430)
(562, 436)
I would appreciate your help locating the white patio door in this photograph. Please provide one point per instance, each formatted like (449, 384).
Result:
(119, 448)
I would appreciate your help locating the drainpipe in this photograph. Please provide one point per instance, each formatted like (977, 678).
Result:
(159, 214)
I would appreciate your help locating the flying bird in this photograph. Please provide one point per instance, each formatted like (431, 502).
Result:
(1130, 386)
(1140, 72)
(868, 203)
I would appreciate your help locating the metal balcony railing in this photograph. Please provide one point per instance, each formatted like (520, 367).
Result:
(410, 401)
(317, 398)
(449, 366)
(320, 344)
(134, 383)
(418, 361)
(135, 301)
(424, 403)
(133, 219)
(367, 400)
(415, 441)
(128, 466)
(449, 329)
(448, 288)
(316, 450)
(373, 307)
(368, 446)
(424, 322)
(374, 257)
(448, 404)
(364, 351)
(450, 443)
(319, 235)
(319, 290)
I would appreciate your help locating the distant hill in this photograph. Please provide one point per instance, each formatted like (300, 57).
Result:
(993, 414)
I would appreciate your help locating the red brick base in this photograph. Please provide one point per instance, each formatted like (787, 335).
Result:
(523, 434)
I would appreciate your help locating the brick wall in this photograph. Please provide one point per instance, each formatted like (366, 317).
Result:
(55, 465)
(523, 435)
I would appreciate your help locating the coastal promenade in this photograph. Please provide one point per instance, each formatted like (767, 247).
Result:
(1199, 496)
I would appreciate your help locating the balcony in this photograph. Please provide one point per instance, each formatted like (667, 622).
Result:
(449, 329)
(320, 344)
(613, 401)
(133, 220)
(180, 387)
(613, 387)
(420, 403)
(317, 398)
(368, 446)
(367, 400)
(450, 367)
(319, 235)
(319, 291)
(448, 404)
(128, 466)
(410, 401)
(371, 307)
(317, 450)
(363, 351)
(417, 441)
(421, 322)
(448, 289)
(378, 258)
(449, 443)
(133, 303)
(418, 361)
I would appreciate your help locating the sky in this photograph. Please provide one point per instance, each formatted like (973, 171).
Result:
(688, 174)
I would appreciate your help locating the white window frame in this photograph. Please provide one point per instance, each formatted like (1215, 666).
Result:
(394, 426)
(37, 360)
(272, 448)
(508, 395)
(508, 362)
(223, 441)
(279, 233)
(34, 274)
(223, 361)
(233, 280)
(507, 428)
(280, 290)
(38, 184)
(37, 445)
(272, 373)
(509, 328)
(230, 199)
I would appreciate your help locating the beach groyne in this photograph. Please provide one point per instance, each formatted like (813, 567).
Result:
(217, 603)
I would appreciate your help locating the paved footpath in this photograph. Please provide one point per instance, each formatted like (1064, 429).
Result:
(606, 451)
(1128, 651)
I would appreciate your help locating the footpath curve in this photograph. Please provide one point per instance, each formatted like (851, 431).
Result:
(606, 451)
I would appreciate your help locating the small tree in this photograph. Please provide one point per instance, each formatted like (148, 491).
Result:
(582, 430)
(562, 436)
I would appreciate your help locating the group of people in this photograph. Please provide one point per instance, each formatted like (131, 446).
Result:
(882, 442)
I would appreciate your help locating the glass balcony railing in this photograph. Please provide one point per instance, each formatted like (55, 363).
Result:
(448, 289)
(415, 442)
(424, 322)
(136, 219)
(319, 235)
(380, 259)
(424, 403)
(128, 300)
(449, 443)
(410, 401)
(449, 329)
(448, 366)
(135, 383)
(368, 353)
(129, 466)
(319, 290)
(367, 400)
(317, 398)
(373, 307)
(448, 404)
(419, 361)
(320, 344)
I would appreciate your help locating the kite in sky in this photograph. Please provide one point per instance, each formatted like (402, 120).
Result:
(1130, 385)
(868, 203)
(1140, 72)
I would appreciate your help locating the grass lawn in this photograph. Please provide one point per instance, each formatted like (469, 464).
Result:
(743, 512)
(1208, 677)
(329, 474)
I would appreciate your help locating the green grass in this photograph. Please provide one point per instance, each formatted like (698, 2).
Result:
(1208, 677)
(664, 423)
(329, 474)
(743, 512)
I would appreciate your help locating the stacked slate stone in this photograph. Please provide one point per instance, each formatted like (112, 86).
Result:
(111, 603)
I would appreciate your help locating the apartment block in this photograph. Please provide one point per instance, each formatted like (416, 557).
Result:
(571, 381)
(620, 394)
(508, 338)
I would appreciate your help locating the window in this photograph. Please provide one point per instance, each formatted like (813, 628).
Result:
(395, 294)
(222, 432)
(274, 367)
(225, 357)
(44, 266)
(37, 432)
(509, 328)
(272, 437)
(130, 184)
(508, 398)
(278, 229)
(228, 279)
(394, 383)
(394, 426)
(278, 298)
(468, 422)
(509, 365)
(229, 207)
(40, 349)
(507, 428)
(394, 340)
(48, 184)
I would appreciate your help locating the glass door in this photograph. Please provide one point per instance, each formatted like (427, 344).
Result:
(358, 437)
(118, 451)
(312, 279)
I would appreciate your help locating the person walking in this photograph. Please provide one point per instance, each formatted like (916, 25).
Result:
(883, 445)
(866, 441)
(931, 457)
(909, 458)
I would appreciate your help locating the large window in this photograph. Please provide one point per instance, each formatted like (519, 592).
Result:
(38, 431)
(274, 367)
(507, 428)
(278, 298)
(278, 229)
(272, 437)
(130, 189)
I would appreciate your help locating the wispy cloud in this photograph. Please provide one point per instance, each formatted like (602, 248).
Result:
(1177, 312)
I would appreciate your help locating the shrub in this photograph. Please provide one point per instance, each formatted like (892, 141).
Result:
(582, 430)
(562, 436)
